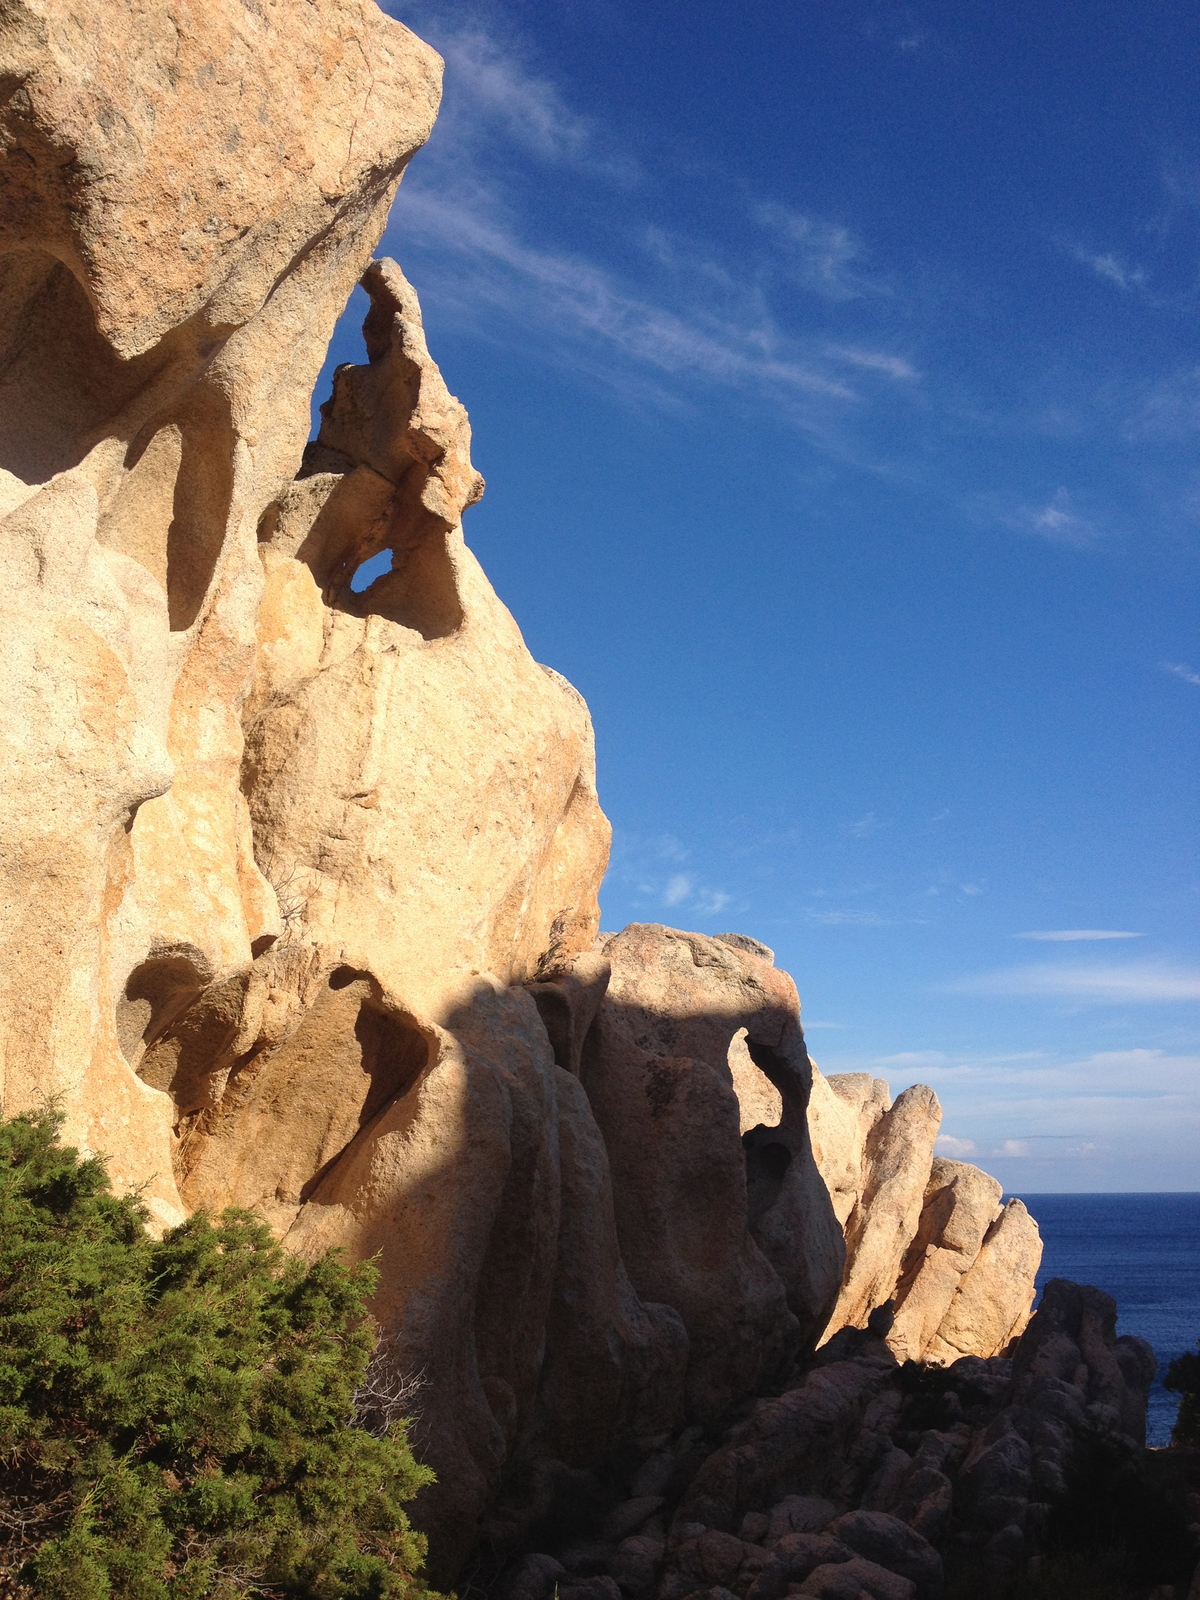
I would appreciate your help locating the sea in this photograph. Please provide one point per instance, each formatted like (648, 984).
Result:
(1144, 1250)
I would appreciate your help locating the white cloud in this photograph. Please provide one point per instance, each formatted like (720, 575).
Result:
(1112, 269)
(709, 901)
(678, 889)
(1057, 521)
(874, 361)
(1075, 935)
(493, 95)
(1133, 984)
(947, 1145)
(821, 253)
(1133, 1114)
(1168, 410)
(651, 870)
(490, 82)
(1182, 671)
(863, 827)
(569, 295)
(1013, 1147)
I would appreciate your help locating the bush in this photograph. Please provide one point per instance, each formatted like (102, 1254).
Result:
(177, 1415)
(1183, 1378)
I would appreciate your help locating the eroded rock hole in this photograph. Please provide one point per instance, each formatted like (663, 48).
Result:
(273, 1122)
(381, 485)
(767, 1163)
(156, 995)
(370, 570)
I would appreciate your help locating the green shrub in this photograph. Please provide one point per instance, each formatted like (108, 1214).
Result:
(1183, 1378)
(177, 1415)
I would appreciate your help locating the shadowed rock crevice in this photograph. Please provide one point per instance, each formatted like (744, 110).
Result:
(294, 1096)
(60, 379)
(157, 993)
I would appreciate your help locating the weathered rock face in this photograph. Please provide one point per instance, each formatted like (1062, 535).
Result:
(928, 1234)
(299, 881)
(186, 203)
(709, 1218)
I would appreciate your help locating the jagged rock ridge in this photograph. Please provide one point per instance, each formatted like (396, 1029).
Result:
(298, 882)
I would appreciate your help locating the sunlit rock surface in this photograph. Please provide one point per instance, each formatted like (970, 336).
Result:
(298, 881)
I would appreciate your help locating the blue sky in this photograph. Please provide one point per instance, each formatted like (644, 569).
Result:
(835, 370)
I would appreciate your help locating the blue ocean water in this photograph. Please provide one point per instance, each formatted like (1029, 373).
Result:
(1144, 1250)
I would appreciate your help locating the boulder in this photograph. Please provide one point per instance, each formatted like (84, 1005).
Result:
(184, 210)
(635, 1564)
(842, 1111)
(959, 1207)
(798, 1513)
(597, 1588)
(897, 1159)
(792, 1559)
(851, 1580)
(535, 1577)
(796, 1444)
(992, 1303)
(894, 1545)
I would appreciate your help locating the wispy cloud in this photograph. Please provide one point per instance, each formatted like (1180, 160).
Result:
(679, 888)
(1111, 268)
(1138, 1107)
(504, 264)
(495, 95)
(1182, 671)
(862, 827)
(822, 255)
(655, 873)
(1076, 935)
(492, 84)
(1141, 984)
(575, 298)
(539, 226)
(1057, 521)
(874, 361)
(1168, 409)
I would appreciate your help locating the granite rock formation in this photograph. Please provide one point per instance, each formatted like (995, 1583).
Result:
(928, 1234)
(862, 1476)
(298, 880)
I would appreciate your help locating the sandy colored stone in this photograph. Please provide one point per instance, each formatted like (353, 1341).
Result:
(960, 1205)
(995, 1295)
(307, 875)
(185, 203)
(759, 1101)
(841, 1114)
(739, 1237)
(421, 791)
(897, 1158)
(177, 161)
(924, 1249)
